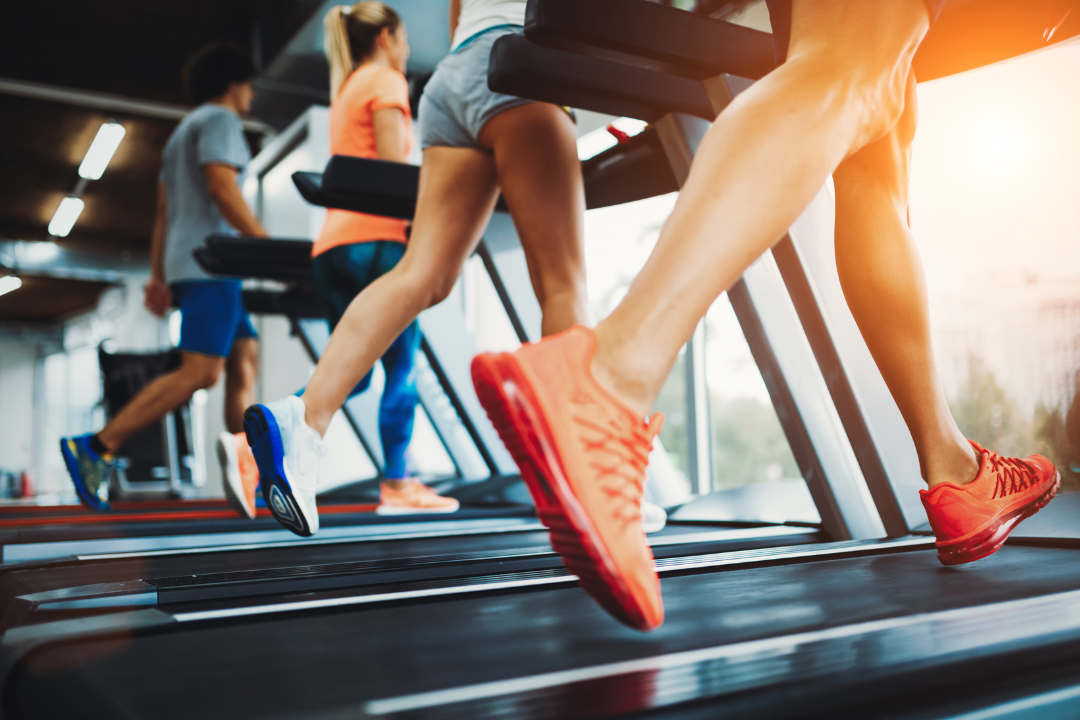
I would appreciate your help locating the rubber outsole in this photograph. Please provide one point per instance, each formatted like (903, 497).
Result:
(990, 541)
(72, 465)
(230, 472)
(264, 438)
(509, 404)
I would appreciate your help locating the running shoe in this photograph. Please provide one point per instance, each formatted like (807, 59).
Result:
(972, 521)
(89, 471)
(239, 473)
(289, 454)
(582, 452)
(653, 517)
(415, 498)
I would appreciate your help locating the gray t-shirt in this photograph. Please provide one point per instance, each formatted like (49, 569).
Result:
(210, 134)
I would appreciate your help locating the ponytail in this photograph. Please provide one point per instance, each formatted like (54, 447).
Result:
(351, 34)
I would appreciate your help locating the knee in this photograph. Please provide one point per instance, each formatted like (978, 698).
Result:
(873, 99)
(427, 286)
(202, 376)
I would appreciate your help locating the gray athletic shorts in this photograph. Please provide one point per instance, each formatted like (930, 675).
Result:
(457, 103)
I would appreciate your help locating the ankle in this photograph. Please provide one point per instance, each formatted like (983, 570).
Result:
(317, 422)
(399, 484)
(632, 382)
(959, 467)
(101, 447)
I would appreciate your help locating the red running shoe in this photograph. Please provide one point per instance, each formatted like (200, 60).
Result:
(582, 453)
(972, 521)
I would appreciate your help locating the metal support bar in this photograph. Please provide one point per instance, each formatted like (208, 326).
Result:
(437, 368)
(172, 452)
(500, 288)
(299, 332)
(808, 307)
(699, 441)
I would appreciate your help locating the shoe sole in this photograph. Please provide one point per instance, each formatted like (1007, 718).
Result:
(510, 404)
(72, 465)
(990, 540)
(393, 510)
(264, 438)
(230, 475)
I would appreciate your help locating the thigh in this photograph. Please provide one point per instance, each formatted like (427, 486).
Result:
(338, 275)
(211, 312)
(859, 37)
(535, 152)
(458, 190)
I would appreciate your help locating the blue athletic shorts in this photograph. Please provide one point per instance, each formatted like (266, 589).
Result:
(212, 316)
(457, 103)
(780, 17)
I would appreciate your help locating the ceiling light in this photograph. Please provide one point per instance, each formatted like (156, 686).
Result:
(101, 150)
(65, 217)
(9, 283)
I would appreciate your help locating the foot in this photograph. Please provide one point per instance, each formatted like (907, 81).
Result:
(239, 473)
(414, 498)
(972, 521)
(653, 517)
(89, 471)
(288, 454)
(582, 453)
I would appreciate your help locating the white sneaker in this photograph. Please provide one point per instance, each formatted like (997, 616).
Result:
(653, 517)
(289, 454)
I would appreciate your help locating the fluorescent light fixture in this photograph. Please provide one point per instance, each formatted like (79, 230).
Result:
(37, 253)
(101, 150)
(9, 283)
(593, 143)
(65, 217)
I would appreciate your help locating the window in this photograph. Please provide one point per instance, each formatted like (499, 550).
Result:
(994, 213)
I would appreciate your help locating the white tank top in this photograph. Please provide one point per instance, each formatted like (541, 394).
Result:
(479, 15)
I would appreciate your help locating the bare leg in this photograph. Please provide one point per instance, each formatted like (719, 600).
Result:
(241, 370)
(882, 277)
(163, 395)
(458, 189)
(535, 152)
(759, 166)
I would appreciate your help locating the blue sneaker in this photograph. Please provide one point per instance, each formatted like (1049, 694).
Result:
(89, 471)
(288, 453)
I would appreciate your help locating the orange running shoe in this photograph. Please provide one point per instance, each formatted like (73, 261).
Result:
(582, 452)
(972, 521)
(239, 473)
(415, 498)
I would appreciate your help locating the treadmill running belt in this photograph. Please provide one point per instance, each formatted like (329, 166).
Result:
(306, 664)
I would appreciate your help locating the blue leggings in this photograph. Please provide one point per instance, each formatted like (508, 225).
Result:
(341, 273)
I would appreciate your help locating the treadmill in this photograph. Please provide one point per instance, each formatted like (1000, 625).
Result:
(864, 627)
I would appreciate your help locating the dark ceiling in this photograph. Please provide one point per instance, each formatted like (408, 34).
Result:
(129, 48)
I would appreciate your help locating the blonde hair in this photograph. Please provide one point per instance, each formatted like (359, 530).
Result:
(351, 33)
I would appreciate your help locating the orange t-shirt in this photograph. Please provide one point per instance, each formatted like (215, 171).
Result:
(352, 132)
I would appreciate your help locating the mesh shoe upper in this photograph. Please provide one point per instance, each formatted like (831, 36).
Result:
(89, 471)
(603, 447)
(1002, 486)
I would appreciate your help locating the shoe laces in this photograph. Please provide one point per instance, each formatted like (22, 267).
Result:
(1013, 474)
(619, 459)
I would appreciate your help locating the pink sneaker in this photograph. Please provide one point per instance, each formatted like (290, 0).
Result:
(415, 498)
(239, 473)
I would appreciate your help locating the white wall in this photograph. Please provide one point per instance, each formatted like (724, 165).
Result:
(18, 362)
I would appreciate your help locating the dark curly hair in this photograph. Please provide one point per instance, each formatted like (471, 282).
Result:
(211, 70)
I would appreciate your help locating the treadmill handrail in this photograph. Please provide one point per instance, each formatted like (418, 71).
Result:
(519, 67)
(640, 32)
